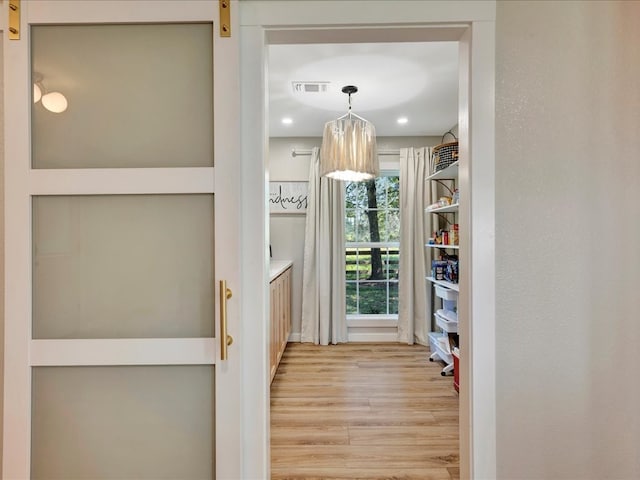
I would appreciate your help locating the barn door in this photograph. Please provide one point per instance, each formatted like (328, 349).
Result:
(121, 224)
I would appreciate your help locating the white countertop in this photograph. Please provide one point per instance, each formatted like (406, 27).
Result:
(276, 267)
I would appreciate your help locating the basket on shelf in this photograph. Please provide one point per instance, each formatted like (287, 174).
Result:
(444, 154)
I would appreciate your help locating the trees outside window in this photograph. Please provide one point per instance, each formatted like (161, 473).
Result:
(372, 242)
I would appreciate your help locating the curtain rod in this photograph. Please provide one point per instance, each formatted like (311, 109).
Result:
(295, 152)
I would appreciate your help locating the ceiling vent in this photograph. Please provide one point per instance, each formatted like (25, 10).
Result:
(310, 87)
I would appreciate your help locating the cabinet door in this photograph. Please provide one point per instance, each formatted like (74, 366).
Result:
(286, 311)
(273, 327)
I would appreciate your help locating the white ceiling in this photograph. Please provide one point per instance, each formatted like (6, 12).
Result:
(418, 81)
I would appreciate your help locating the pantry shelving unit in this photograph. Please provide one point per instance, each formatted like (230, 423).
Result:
(445, 293)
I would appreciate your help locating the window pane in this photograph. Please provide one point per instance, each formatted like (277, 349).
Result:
(123, 266)
(132, 422)
(381, 191)
(373, 298)
(350, 226)
(376, 228)
(384, 263)
(351, 266)
(393, 259)
(355, 195)
(393, 192)
(351, 194)
(383, 227)
(362, 229)
(392, 226)
(352, 298)
(370, 194)
(364, 263)
(377, 262)
(393, 298)
(160, 114)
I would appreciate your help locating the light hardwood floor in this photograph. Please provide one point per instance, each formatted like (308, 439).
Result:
(362, 411)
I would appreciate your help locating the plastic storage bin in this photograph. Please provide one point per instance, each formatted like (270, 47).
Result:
(445, 293)
(449, 314)
(439, 346)
(433, 340)
(446, 324)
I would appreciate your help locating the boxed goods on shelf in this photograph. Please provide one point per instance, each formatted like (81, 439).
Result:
(437, 269)
(445, 269)
(451, 271)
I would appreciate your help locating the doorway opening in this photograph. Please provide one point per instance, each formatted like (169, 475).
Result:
(286, 233)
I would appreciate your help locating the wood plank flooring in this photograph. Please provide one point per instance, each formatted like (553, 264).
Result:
(363, 411)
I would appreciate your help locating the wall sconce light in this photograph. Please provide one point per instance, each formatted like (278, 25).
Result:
(37, 93)
(349, 149)
(55, 102)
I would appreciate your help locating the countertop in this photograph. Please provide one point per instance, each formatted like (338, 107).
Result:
(276, 267)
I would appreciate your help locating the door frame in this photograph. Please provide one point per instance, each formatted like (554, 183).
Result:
(472, 25)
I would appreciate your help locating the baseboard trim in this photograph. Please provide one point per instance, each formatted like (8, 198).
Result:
(359, 337)
(373, 337)
(294, 337)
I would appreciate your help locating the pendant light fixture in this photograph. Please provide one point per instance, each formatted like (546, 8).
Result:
(349, 149)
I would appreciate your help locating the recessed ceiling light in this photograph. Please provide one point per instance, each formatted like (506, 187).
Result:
(403, 120)
(287, 121)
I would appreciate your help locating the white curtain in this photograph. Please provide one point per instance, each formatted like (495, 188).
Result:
(413, 325)
(323, 278)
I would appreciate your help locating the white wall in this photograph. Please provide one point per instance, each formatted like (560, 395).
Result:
(287, 231)
(568, 237)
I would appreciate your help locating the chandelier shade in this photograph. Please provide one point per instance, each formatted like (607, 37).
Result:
(349, 150)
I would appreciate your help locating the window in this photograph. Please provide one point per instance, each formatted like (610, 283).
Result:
(372, 242)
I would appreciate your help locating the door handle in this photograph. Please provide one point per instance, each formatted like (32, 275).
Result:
(225, 338)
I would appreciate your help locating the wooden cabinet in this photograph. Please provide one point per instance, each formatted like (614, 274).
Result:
(280, 318)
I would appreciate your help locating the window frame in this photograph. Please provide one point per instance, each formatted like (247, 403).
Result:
(381, 319)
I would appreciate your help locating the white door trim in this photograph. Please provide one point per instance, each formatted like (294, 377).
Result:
(474, 28)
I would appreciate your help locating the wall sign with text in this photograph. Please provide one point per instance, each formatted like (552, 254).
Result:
(288, 197)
